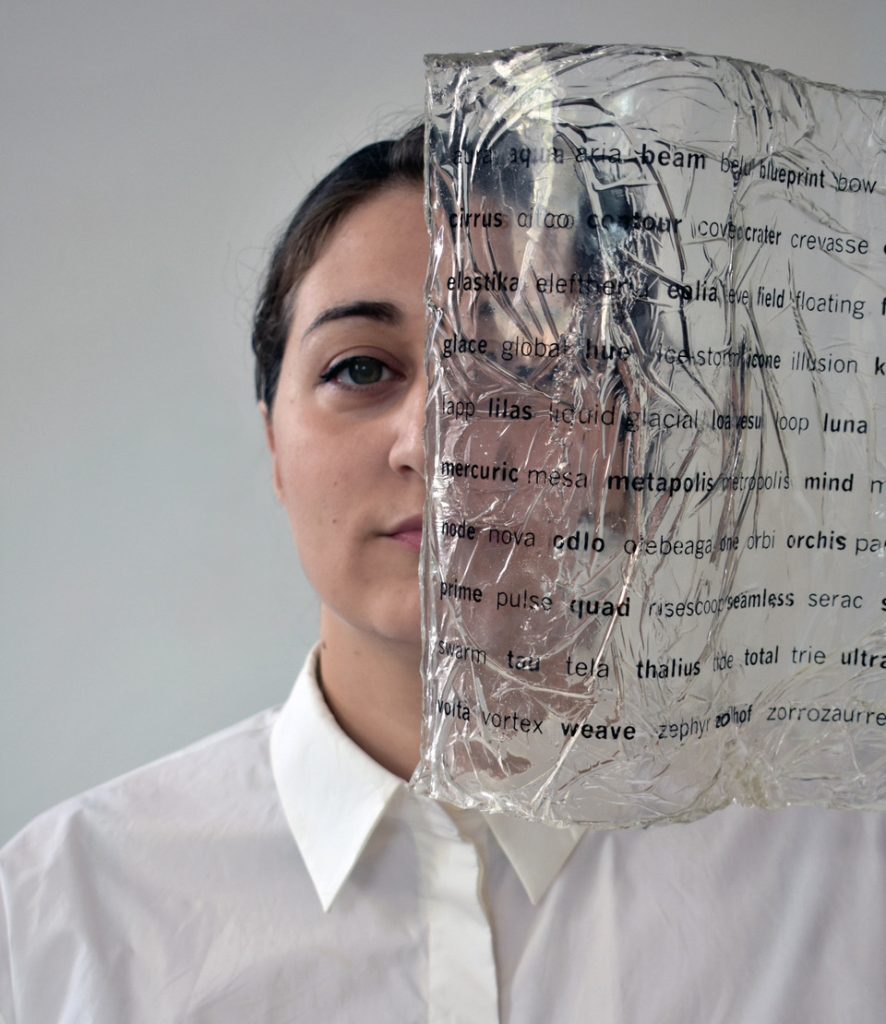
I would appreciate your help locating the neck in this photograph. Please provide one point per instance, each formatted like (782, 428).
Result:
(373, 688)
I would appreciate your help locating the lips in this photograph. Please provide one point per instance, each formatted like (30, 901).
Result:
(408, 532)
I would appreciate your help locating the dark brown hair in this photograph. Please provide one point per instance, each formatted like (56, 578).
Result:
(357, 178)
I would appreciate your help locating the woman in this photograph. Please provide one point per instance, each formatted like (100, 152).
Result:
(281, 871)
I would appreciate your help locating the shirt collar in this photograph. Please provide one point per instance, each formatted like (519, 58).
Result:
(334, 795)
(536, 851)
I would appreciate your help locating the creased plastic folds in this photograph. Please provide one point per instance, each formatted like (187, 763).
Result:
(653, 571)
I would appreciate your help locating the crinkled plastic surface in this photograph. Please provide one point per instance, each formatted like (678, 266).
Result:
(653, 572)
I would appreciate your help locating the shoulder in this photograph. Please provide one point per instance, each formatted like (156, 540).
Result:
(769, 879)
(121, 886)
(770, 845)
(186, 791)
(739, 916)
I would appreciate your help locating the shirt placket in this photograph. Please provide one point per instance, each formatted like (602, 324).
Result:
(462, 984)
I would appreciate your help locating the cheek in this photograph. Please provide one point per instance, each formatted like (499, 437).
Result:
(332, 474)
(312, 489)
(313, 494)
(327, 517)
(323, 478)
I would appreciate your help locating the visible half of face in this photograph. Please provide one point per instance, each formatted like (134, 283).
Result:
(346, 429)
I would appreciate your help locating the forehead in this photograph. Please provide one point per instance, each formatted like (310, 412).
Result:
(379, 252)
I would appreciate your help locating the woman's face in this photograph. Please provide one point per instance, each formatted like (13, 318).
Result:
(346, 431)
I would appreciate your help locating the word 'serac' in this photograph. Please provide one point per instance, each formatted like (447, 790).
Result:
(653, 572)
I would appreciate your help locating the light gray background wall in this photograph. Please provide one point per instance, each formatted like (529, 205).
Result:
(148, 589)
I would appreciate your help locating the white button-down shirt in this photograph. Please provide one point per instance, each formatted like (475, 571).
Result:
(275, 873)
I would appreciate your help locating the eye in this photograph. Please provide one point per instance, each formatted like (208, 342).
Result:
(358, 372)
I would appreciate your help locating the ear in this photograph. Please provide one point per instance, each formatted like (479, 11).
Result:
(272, 448)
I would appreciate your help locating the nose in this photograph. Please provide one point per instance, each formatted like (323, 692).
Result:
(407, 453)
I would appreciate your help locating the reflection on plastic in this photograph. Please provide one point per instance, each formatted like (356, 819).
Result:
(653, 567)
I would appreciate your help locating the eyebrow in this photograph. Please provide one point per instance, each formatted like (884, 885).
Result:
(381, 312)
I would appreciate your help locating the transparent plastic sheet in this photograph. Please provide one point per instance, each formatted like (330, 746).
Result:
(653, 572)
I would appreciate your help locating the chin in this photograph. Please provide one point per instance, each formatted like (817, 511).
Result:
(403, 627)
(389, 619)
(394, 613)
